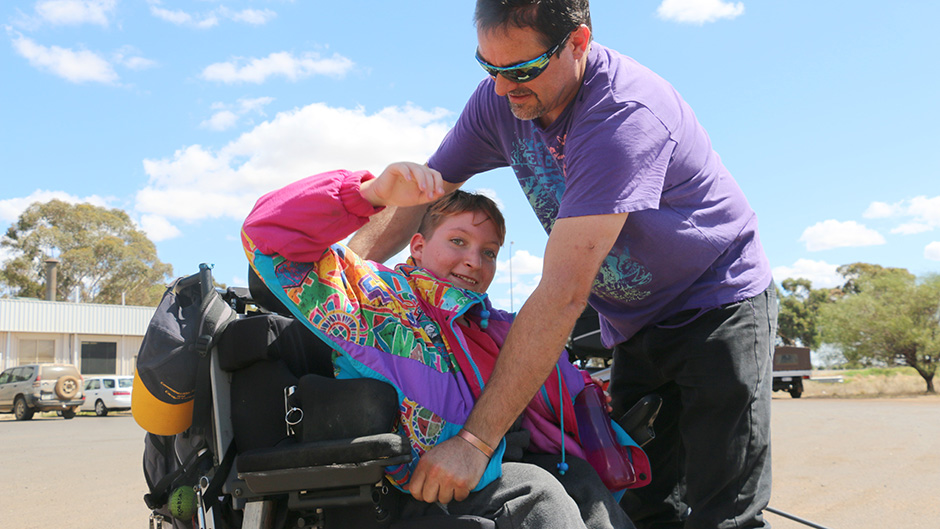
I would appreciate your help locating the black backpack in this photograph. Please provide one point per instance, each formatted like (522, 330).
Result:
(172, 375)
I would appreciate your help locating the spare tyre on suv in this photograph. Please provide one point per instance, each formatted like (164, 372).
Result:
(29, 388)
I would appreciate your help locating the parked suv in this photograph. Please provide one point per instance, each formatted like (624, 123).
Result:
(26, 389)
(104, 393)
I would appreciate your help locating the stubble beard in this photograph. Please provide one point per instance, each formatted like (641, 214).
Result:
(527, 112)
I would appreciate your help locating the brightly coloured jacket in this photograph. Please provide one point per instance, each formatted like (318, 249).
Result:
(395, 325)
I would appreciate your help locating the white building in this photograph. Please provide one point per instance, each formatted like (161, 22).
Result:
(99, 339)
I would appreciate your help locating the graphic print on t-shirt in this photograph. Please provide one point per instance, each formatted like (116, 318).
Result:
(542, 180)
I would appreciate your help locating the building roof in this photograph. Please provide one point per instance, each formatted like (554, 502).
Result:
(33, 315)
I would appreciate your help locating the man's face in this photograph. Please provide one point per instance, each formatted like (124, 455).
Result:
(462, 251)
(542, 98)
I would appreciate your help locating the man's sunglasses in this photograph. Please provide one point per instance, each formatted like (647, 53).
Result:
(524, 71)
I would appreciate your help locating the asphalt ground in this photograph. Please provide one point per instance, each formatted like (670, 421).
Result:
(841, 463)
(85, 472)
(856, 463)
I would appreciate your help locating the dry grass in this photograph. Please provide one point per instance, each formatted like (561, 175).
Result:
(867, 383)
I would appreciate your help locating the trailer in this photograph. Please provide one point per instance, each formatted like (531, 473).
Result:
(792, 366)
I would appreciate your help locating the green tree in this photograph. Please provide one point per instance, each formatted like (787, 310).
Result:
(102, 255)
(856, 271)
(886, 316)
(799, 312)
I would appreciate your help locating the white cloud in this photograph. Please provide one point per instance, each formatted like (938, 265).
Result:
(5, 255)
(136, 63)
(834, 234)
(932, 251)
(882, 210)
(174, 17)
(279, 63)
(249, 16)
(910, 228)
(222, 120)
(526, 274)
(158, 228)
(924, 213)
(225, 119)
(12, 208)
(130, 58)
(523, 263)
(75, 12)
(210, 19)
(182, 18)
(820, 273)
(698, 11)
(75, 66)
(926, 210)
(254, 105)
(290, 146)
(513, 298)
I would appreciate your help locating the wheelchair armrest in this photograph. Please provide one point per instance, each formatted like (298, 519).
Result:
(324, 465)
(638, 421)
(386, 446)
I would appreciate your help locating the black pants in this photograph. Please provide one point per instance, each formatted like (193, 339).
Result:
(712, 448)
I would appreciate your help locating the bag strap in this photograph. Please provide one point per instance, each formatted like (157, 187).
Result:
(215, 315)
(160, 492)
(211, 494)
(160, 443)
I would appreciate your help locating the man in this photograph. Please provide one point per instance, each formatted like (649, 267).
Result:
(643, 218)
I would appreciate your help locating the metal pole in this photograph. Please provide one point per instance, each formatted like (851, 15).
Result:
(795, 518)
(51, 265)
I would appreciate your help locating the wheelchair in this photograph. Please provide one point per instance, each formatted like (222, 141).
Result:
(293, 447)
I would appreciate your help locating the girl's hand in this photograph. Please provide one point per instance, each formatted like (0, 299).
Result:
(404, 184)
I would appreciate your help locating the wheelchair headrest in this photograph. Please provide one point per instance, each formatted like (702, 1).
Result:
(262, 296)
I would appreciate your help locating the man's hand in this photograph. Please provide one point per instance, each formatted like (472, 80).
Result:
(404, 184)
(600, 384)
(447, 472)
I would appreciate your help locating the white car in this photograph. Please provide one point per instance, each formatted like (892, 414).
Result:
(104, 393)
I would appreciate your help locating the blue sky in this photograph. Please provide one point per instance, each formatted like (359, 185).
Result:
(184, 112)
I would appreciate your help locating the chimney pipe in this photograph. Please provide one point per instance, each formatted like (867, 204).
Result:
(51, 264)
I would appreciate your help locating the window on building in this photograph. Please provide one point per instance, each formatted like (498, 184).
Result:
(99, 358)
(36, 351)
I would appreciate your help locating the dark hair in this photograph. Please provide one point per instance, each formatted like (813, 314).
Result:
(553, 19)
(461, 202)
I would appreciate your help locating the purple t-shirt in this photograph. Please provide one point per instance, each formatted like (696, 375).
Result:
(627, 143)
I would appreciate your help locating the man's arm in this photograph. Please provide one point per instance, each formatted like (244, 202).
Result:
(390, 230)
(575, 250)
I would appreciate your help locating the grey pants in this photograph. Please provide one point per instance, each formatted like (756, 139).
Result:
(711, 456)
(531, 494)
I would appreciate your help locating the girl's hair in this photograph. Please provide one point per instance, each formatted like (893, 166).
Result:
(461, 202)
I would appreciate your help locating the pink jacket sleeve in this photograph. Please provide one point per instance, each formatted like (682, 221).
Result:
(304, 218)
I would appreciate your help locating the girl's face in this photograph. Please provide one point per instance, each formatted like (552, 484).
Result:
(462, 251)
